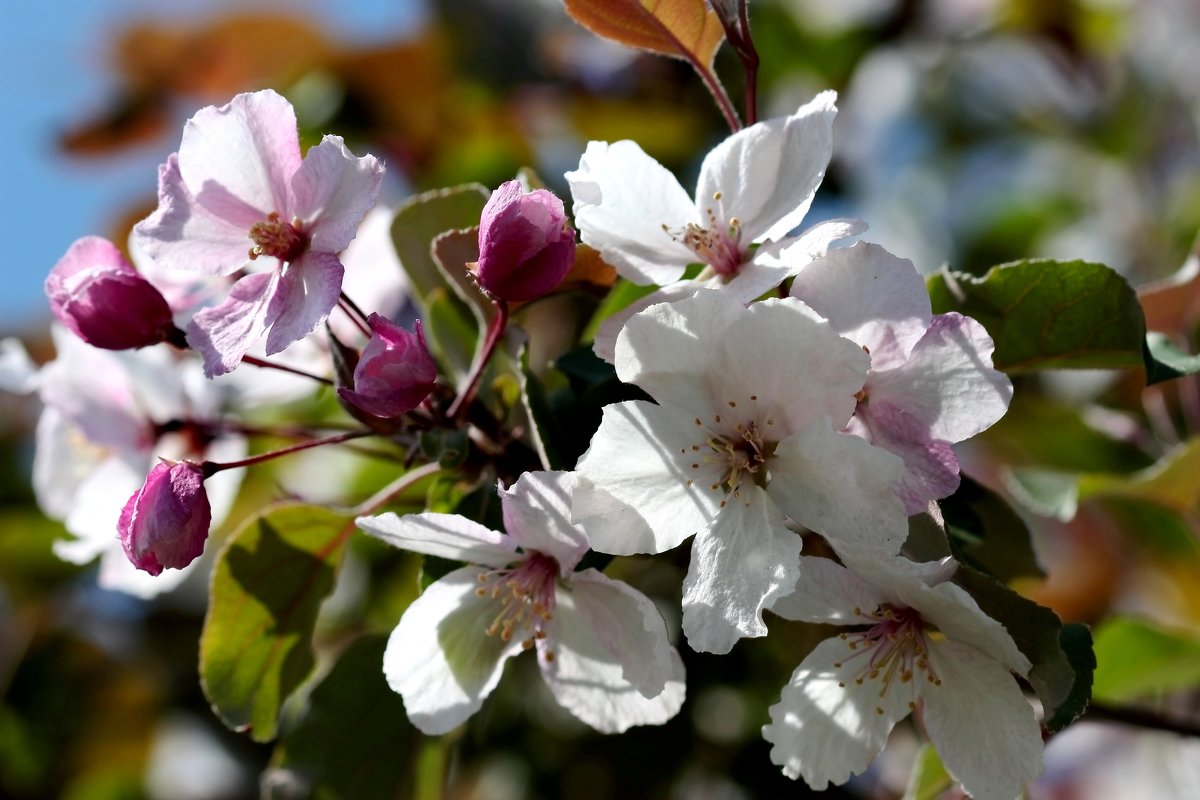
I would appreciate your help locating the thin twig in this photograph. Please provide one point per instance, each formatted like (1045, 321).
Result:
(1098, 712)
(387, 493)
(259, 362)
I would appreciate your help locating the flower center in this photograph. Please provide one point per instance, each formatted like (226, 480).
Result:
(274, 237)
(732, 453)
(718, 244)
(896, 647)
(525, 594)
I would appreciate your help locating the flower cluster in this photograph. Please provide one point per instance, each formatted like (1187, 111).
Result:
(829, 410)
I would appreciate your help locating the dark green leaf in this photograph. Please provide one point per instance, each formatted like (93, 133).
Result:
(1137, 659)
(353, 741)
(984, 531)
(267, 586)
(535, 399)
(1165, 362)
(452, 333)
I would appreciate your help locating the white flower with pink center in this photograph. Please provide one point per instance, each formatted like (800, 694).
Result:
(754, 189)
(238, 193)
(922, 646)
(743, 437)
(601, 645)
(931, 382)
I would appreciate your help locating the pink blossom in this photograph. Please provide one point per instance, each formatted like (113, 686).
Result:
(526, 246)
(237, 191)
(103, 300)
(395, 372)
(165, 523)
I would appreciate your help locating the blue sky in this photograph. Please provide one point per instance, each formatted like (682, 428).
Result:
(53, 57)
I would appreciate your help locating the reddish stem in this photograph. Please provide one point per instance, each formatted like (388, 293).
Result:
(491, 339)
(211, 468)
(259, 362)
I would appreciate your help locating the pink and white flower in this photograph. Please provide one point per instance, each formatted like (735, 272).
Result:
(931, 382)
(743, 436)
(602, 646)
(923, 647)
(754, 189)
(238, 190)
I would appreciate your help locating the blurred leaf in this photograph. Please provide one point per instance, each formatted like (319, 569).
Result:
(1047, 492)
(1051, 435)
(1137, 659)
(686, 29)
(267, 586)
(451, 332)
(423, 218)
(1174, 482)
(1158, 530)
(1061, 655)
(452, 252)
(984, 531)
(929, 777)
(535, 400)
(1165, 361)
(1171, 305)
(353, 741)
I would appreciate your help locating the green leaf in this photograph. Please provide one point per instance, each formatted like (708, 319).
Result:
(1173, 482)
(423, 218)
(353, 741)
(929, 777)
(984, 531)
(1046, 492)
(1165, 362)
(267, 586)
(534, 398)
(452, 333)
(1061, 655)
(1138, 659)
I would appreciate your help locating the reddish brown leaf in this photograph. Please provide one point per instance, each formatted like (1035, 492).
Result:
(686, 29)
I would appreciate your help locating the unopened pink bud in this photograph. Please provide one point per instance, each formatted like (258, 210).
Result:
(103, 300)
(165, 523)
(394, 373)
(526, 246)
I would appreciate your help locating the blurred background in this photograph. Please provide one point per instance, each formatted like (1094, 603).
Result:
(971, 133)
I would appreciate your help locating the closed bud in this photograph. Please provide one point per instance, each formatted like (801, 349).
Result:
(394, 373)
(103, 300)
(526, 246)
(165, 523)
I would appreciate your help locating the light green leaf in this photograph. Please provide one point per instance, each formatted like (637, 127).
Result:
(421, 219)
(1174, 482)
(929, 778)
(1138, 658)
(267, 586)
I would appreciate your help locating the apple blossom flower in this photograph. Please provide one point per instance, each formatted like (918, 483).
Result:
(754, 189)
(931, 382)
(602, 646)
(526, 245)
(103, 300)
(165, 523)
(109, 417)
(743, 435)
(923, 647)
(394, 372)
(237, 191)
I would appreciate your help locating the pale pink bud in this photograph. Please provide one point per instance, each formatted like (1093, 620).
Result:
(165, 523)
(526, 246)
(394, 373)
(103, 300)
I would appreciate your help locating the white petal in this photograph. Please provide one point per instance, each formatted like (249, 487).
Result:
(588, 679)
(828, 592)
(628, 626)
(18, 373)
(768, 173)
(639, 494)
(741, 564)
(623, 198)
(537, 516)
(117, 574)
(811, 243)
(439, 657)
(332, 191)
(442, 535)
(841, 487)
(870, 296)
(605, 343)
(827, 726)
(62, 460)
(97, 506)
(982, 725)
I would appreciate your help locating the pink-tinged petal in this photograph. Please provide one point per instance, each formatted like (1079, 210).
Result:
(981, 724)
(869, 296)
(241, 156)
(812, 243)
(166, 522)
(930, 466)
(306, 293)
(948, 380)
(439, 657)
(395, 371)
(623, 200)
(526, 246)
(182, 234)
(639, 493)
(222, 334)
(741, 564)
(841, 487)
(605, 343)
(537, 516)
(827, 592)
(443, 535)
(628, 626)
(767, 174)
(588, 678)
(829, 724)
(332, 192)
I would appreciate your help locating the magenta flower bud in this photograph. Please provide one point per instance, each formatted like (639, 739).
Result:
(165, 523)
(103, 300)
(526, 245)
(394, 373)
